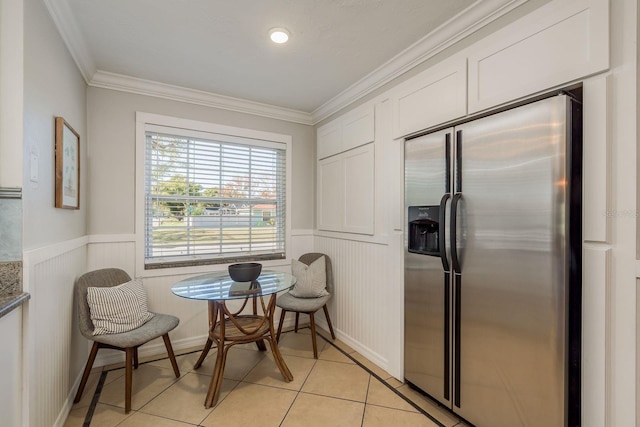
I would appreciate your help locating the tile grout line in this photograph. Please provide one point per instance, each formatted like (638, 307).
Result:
(406, 399)
(364, 407)
(298, 391)
(94, 400)
(105, 372)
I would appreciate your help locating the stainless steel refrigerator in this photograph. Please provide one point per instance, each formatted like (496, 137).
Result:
(493, 265)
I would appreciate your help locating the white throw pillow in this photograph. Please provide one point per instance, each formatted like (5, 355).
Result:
(119, 308)
(311, 279)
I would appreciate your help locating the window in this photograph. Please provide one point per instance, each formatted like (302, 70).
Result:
(212, 197)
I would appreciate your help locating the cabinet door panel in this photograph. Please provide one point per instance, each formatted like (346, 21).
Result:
(596, 166)
(550, 47)
(435, 96)
(358, 128)
(330, 193)
(329, 139)
(359, 190)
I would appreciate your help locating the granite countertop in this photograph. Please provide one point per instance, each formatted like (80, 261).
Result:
(10, 302)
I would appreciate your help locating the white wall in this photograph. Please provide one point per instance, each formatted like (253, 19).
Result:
(53, 86)
(11, 85)
(54, 351)
(111, 164)
(111, 155)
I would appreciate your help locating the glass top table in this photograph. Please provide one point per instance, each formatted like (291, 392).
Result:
(227, 328)
(219, 286)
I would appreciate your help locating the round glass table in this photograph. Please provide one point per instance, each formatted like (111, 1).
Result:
(228, 328)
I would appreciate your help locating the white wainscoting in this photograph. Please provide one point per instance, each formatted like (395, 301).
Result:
(367, 308)
(54, 352)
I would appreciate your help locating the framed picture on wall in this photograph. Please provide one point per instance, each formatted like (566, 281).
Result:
(67, 166)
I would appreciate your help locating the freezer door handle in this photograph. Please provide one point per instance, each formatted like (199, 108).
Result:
(447, 159)
(454, 247)
(442, 241)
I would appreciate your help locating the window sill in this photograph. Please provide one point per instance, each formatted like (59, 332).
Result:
(208, 268)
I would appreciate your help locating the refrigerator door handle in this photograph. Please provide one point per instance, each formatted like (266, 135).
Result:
(454, 247)
(442, 241)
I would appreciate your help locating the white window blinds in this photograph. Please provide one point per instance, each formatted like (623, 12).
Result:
(212, 198)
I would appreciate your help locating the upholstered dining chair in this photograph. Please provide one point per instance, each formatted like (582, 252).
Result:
(158, 326)
(287, 302)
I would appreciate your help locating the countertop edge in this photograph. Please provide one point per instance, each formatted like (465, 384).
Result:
(8, 303)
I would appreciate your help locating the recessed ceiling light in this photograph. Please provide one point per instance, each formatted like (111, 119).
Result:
(279, 35)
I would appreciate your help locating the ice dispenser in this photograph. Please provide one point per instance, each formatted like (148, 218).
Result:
(423, 230)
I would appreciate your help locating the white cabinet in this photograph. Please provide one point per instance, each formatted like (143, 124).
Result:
(358, 127)
(358, 190)
(11, 362)
(345, 186)
(435, 96)
(352, 130)
(329, 139)
(596, 168)
(559, 43)
(346, 191)
(331, 193)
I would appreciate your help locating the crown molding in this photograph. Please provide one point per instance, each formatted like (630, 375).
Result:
(476, 16)
(479, 14)
(106, 80)
(65, 22)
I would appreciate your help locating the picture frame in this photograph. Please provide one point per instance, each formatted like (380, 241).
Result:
(67, 162)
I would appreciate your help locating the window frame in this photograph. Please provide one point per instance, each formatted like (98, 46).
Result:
(148, 120)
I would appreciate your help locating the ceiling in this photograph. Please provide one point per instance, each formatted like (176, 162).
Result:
(338, 50)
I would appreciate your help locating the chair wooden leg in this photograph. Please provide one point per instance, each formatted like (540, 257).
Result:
(87, 371)
(135, 358)
(172, 357)
(282, 314)
(297, 317)
(130, 351)
(312, 322)
(326, 315)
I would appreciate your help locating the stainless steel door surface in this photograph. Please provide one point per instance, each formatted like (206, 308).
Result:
(425, 184)
(511, 240)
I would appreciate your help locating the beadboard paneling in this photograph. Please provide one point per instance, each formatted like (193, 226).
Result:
(366, 310)
(55, 352)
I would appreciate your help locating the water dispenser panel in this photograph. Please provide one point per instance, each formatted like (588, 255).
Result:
(424, 227)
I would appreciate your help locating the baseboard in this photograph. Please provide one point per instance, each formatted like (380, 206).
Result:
(68, 403)
(371, 355)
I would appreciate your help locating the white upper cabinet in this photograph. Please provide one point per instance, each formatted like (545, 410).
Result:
(352, 130)
(329, 139)
(346, 173)
(358, 127)
(346, 191)
(359, 190)
(435, 96)
(331, 191)
(559, 43)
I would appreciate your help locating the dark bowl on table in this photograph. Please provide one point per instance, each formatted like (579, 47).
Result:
(245, 272)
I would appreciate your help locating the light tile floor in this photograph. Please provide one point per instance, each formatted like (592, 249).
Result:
(337, 389)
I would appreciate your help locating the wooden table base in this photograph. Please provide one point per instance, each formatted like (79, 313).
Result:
(227, 329)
